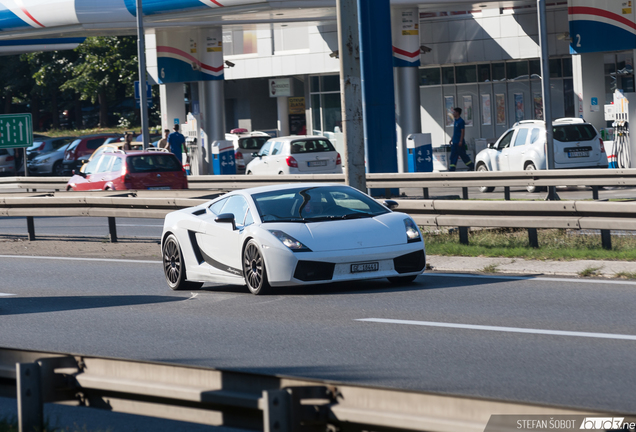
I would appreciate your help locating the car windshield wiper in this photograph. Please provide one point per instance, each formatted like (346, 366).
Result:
(281, 219)
(357, 215)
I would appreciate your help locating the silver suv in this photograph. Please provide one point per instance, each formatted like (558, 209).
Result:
(577, 144)
(245, 143)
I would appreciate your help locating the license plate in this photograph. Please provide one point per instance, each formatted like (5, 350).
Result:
(365, 267)
(576, 154)
(159, 188)
(317, 163)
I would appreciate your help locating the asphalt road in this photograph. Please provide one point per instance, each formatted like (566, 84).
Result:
(565, 342)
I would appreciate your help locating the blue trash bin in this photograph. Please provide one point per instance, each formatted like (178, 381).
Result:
(419, 152)
(223, 158)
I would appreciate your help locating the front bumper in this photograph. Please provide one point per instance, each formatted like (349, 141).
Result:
(285, 268)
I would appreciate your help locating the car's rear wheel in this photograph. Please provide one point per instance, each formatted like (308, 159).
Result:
(402, 280)
(254, 269)
(533, 189)
(58, 169)
(484, 189)
(174, 266)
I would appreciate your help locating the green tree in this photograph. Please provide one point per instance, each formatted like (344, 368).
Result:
(104, 71)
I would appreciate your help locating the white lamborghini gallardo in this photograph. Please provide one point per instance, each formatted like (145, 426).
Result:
(295, 234)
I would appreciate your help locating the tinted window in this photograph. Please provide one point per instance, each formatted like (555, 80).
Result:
(521, 137)
(152, 163)
(74, 144)
(505, 141)
(254, 143)
(237, 205)
(93, 144)
(574, 132)
(35, 146)
(311, 146)
(59, 143)
(265, 149)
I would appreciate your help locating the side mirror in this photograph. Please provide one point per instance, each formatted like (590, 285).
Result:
(79, 173)
(226, 218)
(491, 145)
(255, 154)
(391, 204)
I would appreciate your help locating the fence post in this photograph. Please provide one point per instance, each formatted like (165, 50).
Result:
(606, 239)
(277, 411)
(595, 193)
(507, 193)
(112, 230)
(533, 239)
(463, 235)
(425, 192)
(30, 407)
(465, 193)
(30, 228)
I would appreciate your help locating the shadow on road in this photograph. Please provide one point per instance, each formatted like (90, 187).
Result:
(27, 305)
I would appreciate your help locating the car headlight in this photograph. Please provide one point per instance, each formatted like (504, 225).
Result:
(42, 161)
(289, 241)
(412, 231)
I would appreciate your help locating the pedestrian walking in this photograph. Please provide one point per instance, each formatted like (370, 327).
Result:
(177, 144)
(458, 144)
(163, 142)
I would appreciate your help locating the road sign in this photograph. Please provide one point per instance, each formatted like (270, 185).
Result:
(16, 130)
(148, 91)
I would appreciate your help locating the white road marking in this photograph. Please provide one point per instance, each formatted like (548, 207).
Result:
(83, 259)
(534, 278)
(5, 294)
(503, 329)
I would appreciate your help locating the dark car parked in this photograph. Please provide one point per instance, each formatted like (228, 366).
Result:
(82, 146)
(46, 145)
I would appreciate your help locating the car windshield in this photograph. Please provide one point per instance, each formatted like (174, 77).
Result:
(35, 146)
(321, 203)
(153, 162)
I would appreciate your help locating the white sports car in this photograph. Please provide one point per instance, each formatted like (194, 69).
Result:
(286, 235)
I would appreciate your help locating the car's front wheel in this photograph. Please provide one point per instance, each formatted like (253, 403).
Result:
(58, 169)
(402, 280)
(484, 189)
(174, 266)
(254, 269)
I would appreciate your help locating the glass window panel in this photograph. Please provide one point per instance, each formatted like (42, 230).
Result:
(498, 71)
(517, 70)
(448, 75)
(567, 67)
(555, 68)
(466, 74)
(331, 112)
(520, 139)
(430, 76)
(314, 84)
(483, 72)
(535, 68)
(330, 83)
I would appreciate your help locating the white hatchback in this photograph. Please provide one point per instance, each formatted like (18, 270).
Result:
(296, 155)
(245, 143)
(577, 144)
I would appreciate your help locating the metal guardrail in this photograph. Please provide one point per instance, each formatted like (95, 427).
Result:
(235, 399)
(532, 215)
(593, 178)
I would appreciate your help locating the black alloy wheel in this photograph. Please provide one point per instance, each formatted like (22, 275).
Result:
(174, 266)
(254, 269)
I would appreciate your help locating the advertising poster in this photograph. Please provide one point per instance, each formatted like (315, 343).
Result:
(486, 114)
(538, 106)
(519, 108)
(500, 100)
(450, 104)
(468, 110)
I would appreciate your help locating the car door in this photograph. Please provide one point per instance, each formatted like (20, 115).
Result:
(517, 150)
(276, 158)
(500, 161)
(222, 241)
(260, 165)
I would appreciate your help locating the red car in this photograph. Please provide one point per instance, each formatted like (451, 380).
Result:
(82, 148)
(121, 170)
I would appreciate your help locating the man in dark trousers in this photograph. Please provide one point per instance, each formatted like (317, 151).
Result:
(176, 142)
(458, 144)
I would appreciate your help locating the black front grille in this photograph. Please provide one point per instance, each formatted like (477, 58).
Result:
(308, 271)
(413, 262)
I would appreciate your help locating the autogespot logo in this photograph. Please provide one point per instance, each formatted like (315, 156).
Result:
(602, 423)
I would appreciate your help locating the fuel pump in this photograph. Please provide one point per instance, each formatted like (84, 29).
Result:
(621, 151)
(191, 132)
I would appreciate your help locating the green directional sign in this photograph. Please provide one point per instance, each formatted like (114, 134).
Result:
(16, 130)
